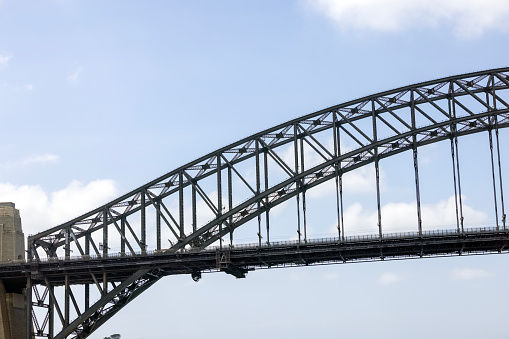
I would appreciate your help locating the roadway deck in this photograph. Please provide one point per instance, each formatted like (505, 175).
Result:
(243, 258)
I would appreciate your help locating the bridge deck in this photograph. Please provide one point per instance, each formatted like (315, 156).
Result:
(242, 258)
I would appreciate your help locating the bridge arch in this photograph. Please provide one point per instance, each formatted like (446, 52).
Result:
(269, 168)
(380, 126)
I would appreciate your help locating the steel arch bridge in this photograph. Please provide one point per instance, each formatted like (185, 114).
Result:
(186, 221)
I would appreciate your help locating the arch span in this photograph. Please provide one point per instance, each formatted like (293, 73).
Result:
(245, 181)
(379, 126)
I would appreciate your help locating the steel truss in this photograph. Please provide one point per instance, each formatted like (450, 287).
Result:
(380, 126)
(93, 316)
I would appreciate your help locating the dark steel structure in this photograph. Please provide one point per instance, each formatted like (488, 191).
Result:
(161, 227)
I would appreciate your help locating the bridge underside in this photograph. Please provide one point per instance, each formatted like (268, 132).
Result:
(238, 261)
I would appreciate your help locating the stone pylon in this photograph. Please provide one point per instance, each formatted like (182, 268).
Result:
(12, 244)
(12, 297)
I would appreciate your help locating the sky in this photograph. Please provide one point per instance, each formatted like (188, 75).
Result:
(98, 98)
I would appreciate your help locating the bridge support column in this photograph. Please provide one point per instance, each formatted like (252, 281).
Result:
(13, 310)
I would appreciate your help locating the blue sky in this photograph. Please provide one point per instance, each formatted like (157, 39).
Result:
(98, 98)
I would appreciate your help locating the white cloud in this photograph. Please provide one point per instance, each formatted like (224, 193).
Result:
(38, 159)
(469, 273)
(398, 217)
(467, 18)
(26, 87)
(4, 59)
(389, 278)
(32, 160)
(40, 210)
(74, 76)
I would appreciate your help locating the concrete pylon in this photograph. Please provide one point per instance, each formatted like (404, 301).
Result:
(13, 316)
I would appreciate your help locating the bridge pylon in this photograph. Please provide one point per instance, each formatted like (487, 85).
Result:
(13, 310)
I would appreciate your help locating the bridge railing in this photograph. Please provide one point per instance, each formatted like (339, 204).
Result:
(348, 239)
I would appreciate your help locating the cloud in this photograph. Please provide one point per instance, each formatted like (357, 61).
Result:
(4, 59)
(74, 76)
(33, 160)
(40, 210)
(390, 278)
(466, 18)
(26, 87)
(38, 159)
(470, 273)
(398, 217)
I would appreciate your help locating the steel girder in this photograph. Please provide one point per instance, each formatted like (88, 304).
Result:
(379, 126)
(93, 316)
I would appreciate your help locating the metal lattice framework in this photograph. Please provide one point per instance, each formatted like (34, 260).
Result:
(245, 180)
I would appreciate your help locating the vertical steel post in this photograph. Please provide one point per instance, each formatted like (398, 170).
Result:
(143, 213)
(219, 198)
(122, 238)
(341, 203)
(87, 253)
(193, 207)
(500, 175)
(257, 155)
(105, 232)
(452, 128)
(87, 296)
(158, 224)
(453, 132)
(51, 313)
(377, 170)
(459, 181)
(266, 180)
(67, 243)
(66, 301)
(457, 160)
(181, 205)
(490, 133)
(230, 202)
(297, 184)
(336, 168)
(302, 169)
(498, 154)
(416, 165)
(29, 307)
(493, 172)
(339, 184)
